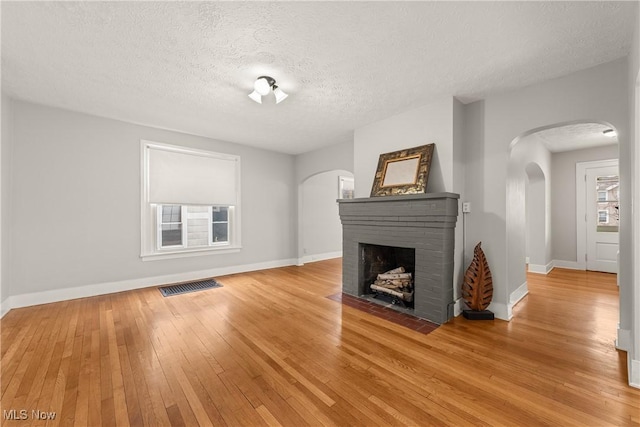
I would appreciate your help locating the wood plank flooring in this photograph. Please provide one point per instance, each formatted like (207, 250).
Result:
(270, 349)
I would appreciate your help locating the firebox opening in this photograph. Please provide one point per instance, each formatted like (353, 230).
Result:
(387, 274)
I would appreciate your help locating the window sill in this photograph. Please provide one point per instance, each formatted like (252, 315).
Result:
(187, 253)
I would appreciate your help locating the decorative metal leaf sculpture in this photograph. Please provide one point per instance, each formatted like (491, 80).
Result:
(477, 287)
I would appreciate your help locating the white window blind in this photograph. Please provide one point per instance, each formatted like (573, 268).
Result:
(186, 176)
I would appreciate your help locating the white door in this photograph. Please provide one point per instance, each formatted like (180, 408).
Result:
(602, 217)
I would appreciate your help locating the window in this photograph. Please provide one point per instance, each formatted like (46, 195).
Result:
(190, 202)
(603, 217)
(219, 225)
(194, 227)
(607, 205)
(170, 226)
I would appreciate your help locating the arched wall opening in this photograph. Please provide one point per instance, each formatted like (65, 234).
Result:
(319, 226)
(529, 208)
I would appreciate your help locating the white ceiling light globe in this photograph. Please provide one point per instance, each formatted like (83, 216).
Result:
(262, 86)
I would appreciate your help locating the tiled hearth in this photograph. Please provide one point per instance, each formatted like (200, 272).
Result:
(406, 320)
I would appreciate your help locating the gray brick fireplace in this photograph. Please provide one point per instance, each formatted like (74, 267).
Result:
(416, 227)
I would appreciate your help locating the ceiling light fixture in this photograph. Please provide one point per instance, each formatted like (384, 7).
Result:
(610, 132)
(262, 86)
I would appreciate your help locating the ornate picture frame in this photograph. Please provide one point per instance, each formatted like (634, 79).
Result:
(403, 172)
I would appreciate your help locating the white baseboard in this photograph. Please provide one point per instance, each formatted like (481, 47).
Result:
(321, 257)
(623, 342)
(55, 295)
(500, 311)
(634, 373)
(505, 311)
(571, 265)
(517, 295)
(458, 306)
(541, 269)
(4, 307)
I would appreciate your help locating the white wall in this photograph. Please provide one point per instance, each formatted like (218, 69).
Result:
(321, 226)
(432, 123)
(333, 157)
(536, 231)
(5, 180)
(630, 306)
(598, 93)
(563, 198)
(75, 206)
(461, 259)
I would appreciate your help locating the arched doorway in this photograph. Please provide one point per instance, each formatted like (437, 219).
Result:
(320, 230)
(529, 183)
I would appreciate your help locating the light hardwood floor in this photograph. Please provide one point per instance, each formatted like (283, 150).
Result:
(270, 349)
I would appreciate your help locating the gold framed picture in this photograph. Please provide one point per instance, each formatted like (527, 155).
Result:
(403, 172)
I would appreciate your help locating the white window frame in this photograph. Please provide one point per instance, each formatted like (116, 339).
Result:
(149, 219)
(183, 213)
(230, 211)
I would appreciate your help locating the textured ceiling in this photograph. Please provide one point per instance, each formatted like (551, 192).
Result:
(575, 136)
(189, 66)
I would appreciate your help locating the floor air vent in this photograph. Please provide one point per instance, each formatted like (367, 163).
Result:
(183, 288)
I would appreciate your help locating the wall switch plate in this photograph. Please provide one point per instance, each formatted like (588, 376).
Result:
(466, 207)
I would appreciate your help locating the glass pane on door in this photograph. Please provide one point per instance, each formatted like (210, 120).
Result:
(607, 204)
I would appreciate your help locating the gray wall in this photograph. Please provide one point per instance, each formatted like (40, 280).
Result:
(5, 180)
(563, 197)
(75, 204)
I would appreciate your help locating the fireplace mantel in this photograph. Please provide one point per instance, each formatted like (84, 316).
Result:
(424, 222)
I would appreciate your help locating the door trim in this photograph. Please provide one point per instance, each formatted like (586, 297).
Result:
(581, 207)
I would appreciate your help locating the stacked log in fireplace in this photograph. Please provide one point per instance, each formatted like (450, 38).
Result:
(396, 284)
